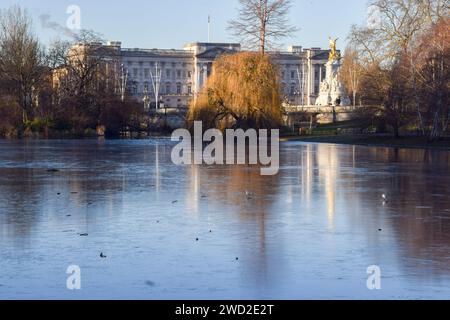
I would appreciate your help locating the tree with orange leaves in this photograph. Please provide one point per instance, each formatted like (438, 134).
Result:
(243, 91)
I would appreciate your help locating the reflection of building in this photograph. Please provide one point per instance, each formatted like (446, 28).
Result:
(184, 72)
(329, 159)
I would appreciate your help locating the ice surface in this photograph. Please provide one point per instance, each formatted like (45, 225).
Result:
(308, 233)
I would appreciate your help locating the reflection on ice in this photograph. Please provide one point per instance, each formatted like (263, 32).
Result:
(309, 232)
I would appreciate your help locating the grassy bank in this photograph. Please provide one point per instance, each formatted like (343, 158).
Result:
(363, 132)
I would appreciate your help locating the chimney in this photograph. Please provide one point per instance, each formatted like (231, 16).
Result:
(295, 49)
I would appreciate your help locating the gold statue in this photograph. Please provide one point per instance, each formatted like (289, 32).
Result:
(333, 49)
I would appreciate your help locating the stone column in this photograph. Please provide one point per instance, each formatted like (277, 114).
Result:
(205, 74)
(309, 79)
(196, 78)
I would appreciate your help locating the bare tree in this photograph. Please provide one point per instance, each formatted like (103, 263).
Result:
(262, 23)
(391, 45)
(435, 10)
(21, 58)
(399, 23)
(432, 57)
(351, 72)
(80, 67)
(402, 24)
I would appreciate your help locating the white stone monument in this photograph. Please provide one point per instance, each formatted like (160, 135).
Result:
(332, 92)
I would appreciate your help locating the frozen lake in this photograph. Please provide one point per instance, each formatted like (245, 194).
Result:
(310, 232)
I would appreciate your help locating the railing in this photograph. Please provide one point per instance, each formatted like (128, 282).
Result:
(159, 51)
(319, 109)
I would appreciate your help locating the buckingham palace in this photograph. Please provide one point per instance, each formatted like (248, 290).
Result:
(178, 75)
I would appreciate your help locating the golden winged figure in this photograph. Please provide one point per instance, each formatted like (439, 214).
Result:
(333, 49)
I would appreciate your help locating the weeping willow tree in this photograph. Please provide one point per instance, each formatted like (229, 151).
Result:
(243, 91)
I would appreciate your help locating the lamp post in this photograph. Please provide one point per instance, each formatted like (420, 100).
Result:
(296, 96)
(156, 83)
(123, 82)
(146, 98)
(301, 79)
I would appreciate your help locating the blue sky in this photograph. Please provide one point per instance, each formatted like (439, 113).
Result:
(172, 23)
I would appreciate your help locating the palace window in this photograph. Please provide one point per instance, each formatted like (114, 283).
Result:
(168, 73)
(135, 72)
(178, 74)
(168, 88)
(316, 72)
(292, 74)
(178, 88)
(189, 88)
(189, 74)
(316, 88)
(147, 73)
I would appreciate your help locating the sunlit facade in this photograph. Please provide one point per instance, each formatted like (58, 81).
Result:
(182, 73)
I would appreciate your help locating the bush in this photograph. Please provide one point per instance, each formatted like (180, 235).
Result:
(37, 125)
(10, 118)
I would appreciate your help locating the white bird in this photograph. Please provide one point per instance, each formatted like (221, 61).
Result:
(385, 199)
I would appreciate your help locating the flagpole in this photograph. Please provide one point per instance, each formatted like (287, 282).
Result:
(209, 28)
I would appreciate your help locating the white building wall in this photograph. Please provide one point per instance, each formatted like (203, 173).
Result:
(184, 72)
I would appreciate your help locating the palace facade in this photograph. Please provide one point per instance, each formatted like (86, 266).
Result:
(182, 73)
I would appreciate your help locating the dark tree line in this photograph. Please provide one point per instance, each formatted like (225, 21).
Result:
(70, 87)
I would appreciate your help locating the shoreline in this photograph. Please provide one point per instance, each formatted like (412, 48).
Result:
(386, 141)
(376, 141)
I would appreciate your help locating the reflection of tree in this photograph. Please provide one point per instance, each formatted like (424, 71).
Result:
(416, 182)
(250, 196)
(90, 172)
(339, 187)
(18, 196)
